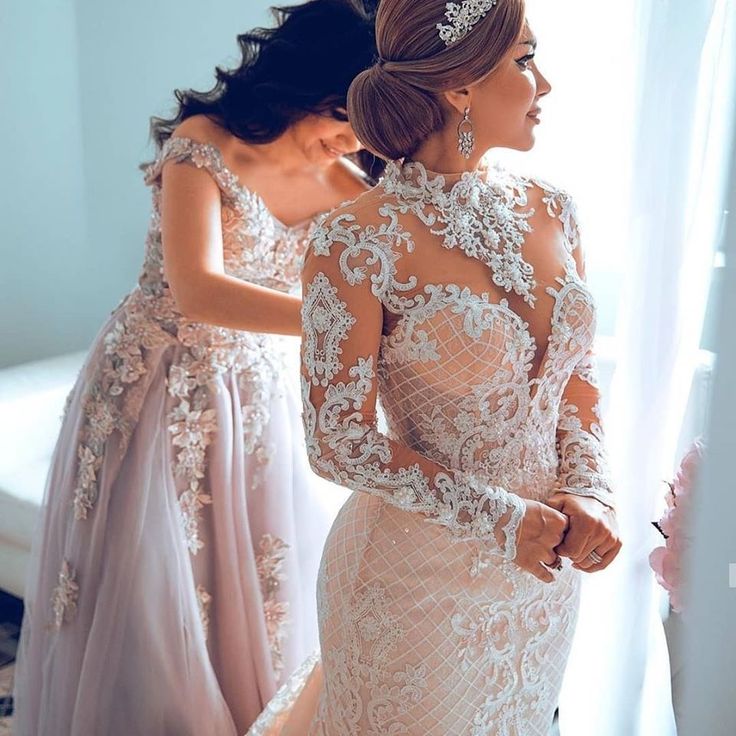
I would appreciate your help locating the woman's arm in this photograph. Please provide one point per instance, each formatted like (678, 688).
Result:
(194, 267)
(583, 462)
(342, 323)
(583, 468)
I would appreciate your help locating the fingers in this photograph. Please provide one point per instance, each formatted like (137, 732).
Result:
(575, 544)
(541, 572)
(556, 525)
(552, 559)
(555, 502)
(608, 557)
(538, 568)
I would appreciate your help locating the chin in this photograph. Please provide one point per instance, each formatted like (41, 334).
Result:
(526, 143)
(521, 146)
(318, 158)
(523, 142)
(529, 145)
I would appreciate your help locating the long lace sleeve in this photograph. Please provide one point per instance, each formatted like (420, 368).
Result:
(583, 466)
(583, 461)
(346, 272)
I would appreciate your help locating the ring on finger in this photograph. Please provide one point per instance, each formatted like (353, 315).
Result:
(556, 565)
(595, 557)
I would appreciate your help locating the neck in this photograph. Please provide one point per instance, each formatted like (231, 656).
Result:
(284, 154)
(439, 154)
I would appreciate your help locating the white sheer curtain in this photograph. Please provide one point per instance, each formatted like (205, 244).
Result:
(617, 683)
(709, 706)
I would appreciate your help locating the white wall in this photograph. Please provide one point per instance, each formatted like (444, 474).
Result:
(42, 212)
(78, 82)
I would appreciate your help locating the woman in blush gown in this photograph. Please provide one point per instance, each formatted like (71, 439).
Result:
(454, 293)
(172, 589)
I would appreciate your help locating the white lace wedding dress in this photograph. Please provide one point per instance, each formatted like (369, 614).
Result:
(460, 303)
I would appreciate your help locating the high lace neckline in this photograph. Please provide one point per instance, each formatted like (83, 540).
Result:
(482, 212)
(416, 173)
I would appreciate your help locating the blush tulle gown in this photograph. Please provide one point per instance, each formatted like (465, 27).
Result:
(172, 583)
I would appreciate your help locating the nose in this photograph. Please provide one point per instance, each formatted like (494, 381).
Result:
(543, 85)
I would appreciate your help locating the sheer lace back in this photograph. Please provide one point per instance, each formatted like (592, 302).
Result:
(477, 282)
(476, 373)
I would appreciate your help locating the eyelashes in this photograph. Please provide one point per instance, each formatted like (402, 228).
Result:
(525, 61)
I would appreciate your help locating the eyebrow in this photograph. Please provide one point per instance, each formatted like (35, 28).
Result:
(531, 42)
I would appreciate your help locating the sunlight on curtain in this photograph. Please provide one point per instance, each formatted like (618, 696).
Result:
(587, 51)
(635, 129)
(666, 222)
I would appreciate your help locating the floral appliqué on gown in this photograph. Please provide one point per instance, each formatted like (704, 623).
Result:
(172, 589)
(459, 303)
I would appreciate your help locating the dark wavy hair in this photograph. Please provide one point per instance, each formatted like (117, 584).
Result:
(302, 66)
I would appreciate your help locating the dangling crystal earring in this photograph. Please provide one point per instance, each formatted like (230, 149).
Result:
(465, 138)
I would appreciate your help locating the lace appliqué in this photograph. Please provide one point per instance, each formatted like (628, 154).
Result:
(354, 454)
(587, 371)
(285, 698)
(488, 636)
(479, 217)
(191, 431)
(373, 633)
(584, 469)
(327, 322)
(65, 596)
(204, 600)
(110, 404)
(269, 565)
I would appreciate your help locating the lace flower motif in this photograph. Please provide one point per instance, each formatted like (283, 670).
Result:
(480, 217)
(65, 596)
(204, 600)
(269, 566)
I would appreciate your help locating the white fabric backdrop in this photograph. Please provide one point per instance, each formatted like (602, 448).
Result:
(709, 706)
(617, 683)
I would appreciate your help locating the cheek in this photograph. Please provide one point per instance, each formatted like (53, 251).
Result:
(330, 129)
(525, 90)
(315, 129)
(511, 99)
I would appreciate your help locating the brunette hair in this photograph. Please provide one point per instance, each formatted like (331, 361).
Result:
(396, 104)
(303, 65)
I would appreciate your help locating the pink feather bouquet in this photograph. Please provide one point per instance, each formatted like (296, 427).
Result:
(668, 562)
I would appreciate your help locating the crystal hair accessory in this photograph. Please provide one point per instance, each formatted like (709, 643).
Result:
(463, 18)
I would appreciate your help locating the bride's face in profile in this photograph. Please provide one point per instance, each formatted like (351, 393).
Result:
(505, 106)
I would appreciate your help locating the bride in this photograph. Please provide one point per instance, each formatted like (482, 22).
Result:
(455, 294)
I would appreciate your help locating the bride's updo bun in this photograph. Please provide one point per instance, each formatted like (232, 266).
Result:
(394, 116)
(396, 105)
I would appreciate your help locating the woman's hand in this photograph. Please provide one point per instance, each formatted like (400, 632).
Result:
(592, 528)
(542, 529)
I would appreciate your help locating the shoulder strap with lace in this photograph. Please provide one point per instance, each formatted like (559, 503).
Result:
(202, 155)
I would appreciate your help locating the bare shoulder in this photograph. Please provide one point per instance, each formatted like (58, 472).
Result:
(202, 129)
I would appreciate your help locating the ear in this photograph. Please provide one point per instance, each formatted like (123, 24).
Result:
(459, 99)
